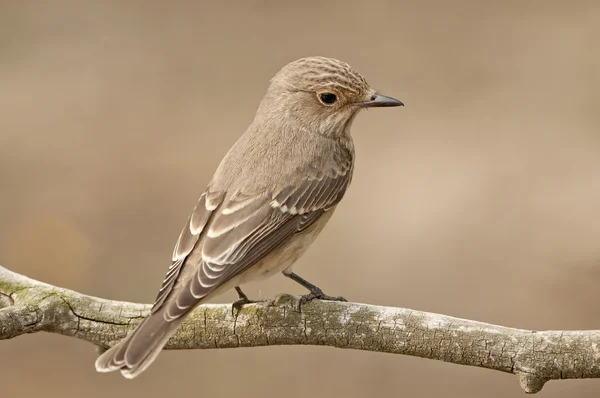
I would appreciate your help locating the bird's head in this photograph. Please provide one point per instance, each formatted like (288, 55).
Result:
(320, 94)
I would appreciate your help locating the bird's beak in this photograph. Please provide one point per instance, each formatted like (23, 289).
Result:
(378, 100)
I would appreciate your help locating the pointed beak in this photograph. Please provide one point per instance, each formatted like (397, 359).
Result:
(378, 100)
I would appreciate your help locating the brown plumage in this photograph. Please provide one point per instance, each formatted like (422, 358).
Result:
(268, 200)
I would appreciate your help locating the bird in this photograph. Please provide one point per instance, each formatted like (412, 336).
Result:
(267, 201)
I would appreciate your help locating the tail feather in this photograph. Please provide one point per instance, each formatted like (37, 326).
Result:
(139, 349)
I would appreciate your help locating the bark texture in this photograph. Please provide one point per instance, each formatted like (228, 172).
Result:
(29, 306)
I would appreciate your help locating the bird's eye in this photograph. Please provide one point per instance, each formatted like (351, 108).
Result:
(328, 98)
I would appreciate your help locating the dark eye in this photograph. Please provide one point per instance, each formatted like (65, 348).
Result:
(328, 98)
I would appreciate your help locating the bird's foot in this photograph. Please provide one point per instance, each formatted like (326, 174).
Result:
(238, 304)
(243, 300)
(317, 293)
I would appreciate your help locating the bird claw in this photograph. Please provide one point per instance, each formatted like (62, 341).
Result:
(239, 304)
(317, 294)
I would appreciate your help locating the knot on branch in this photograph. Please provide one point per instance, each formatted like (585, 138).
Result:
(529, 382)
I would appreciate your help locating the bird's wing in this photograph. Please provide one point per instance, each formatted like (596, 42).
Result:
(188, 238)
(224, 239)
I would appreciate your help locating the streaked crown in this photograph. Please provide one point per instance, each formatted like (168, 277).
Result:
(317, 73)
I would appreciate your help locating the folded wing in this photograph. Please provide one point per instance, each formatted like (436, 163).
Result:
(244, 228)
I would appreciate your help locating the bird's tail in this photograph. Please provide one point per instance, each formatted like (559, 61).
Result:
(139, 349)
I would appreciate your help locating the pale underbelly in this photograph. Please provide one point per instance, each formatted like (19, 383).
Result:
(284, 257)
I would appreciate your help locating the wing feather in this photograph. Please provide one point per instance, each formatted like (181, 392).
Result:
(188, 238)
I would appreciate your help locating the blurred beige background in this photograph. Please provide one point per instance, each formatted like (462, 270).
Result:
(479, 199)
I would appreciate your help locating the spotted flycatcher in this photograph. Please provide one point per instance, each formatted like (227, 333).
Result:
(270, 197)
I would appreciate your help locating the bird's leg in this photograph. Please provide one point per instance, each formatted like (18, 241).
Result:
(241, 296)
(315, 292)
(243, 300)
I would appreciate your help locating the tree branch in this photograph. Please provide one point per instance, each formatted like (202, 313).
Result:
(29, 306)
